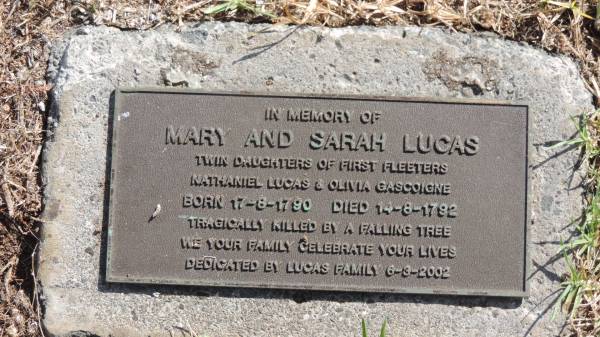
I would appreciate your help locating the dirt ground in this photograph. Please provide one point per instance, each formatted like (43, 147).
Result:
(28, 29)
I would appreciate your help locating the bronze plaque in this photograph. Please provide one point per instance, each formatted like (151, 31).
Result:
(318, 192)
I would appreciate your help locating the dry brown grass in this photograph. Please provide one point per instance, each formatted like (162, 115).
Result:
(28, 27)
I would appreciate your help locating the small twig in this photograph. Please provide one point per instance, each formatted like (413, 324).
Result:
(16, 186)
(312, 6)
(8, 198)
(7, 274)
(12, 9)
(35, 159)
(8, 264)
(148, 10)
(35, 291)
(194, 6)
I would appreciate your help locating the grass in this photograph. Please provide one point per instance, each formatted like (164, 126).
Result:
(573, 6)
(232, 6)
(364, 332)
(573, 289)
(27, 29)
(580, 296)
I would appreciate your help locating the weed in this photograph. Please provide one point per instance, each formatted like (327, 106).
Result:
(572, 6)
(236, 5)
(382, 331)
(573, 287)
(583, 139)
(581, 253)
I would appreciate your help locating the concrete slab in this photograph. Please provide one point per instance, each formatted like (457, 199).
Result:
(89, 63)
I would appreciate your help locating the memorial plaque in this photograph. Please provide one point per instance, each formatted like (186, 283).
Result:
(314, 192)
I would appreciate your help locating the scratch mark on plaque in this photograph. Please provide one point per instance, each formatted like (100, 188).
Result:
(125, 114)
(156, 212)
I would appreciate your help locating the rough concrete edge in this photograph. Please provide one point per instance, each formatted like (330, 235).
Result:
(62, 44)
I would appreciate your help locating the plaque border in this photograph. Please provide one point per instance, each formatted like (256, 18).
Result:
(113, 138)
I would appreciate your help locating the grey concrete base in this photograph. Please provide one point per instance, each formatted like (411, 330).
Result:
(91, 62)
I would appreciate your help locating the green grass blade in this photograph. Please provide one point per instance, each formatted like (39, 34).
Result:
(566, 143)
(383, 327)
(363, 325)
(560, 301)
(216, 9)
(578, 298)
(246, 6)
